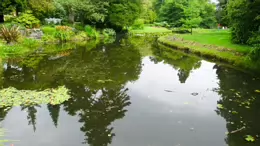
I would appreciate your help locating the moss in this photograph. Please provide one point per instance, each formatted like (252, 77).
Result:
(211, 53)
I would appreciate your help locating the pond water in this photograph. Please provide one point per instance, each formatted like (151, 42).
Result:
(130, 93)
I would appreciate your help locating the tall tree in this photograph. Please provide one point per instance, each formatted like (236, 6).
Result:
(7, 6)
(222, 12)
(244, 17)
(123, 13)
(192, 13)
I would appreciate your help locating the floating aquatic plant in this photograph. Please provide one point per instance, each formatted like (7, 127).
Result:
(13, 97)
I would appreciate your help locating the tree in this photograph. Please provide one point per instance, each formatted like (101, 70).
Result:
(123, 13)
(172, 11)
(221, 12)
(244, 18)
(41, 8)
(7, 6)
(208, 11)
(192, 13)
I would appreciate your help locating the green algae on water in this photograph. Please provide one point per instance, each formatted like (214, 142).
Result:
(13, 97)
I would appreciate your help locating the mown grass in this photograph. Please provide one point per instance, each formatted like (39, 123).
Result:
(216, 37)
(150, 29)
(237, 59)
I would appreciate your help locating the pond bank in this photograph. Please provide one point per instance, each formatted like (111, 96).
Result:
(211, 52)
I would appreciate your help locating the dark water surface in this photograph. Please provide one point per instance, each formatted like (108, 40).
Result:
(131, 93)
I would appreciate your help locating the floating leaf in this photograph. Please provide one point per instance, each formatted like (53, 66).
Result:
(234, 112)
(13, 97)
(250, 138)
(220, 106)
(257, 91)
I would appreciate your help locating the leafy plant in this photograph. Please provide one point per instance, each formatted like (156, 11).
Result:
(109, 32)
(91, 32)
(10, 34)
(28, 20)
(254, 55)
(138, 24)
(63, 33)
(30, 43)
(47, 30)
(13, 97)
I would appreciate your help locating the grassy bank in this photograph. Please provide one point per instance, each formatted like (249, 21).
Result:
(216, 37)
(150, 29)
(202, 44)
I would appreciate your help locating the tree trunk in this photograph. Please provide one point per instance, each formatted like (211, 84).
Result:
(1, 18)
(71, 16)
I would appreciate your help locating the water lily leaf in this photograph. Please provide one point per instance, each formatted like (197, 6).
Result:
(257, 91)
(220, 106)
(12, 97)
(250, 138)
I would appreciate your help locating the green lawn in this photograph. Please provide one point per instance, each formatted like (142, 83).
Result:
(149, 29)
(215, 37)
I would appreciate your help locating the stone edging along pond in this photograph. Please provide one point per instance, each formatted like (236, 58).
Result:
(210, 52)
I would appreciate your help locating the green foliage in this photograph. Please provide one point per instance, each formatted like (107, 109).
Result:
(48, 30)
(9, 34)
(91, 32)
(255, 53)
(41, 8)
(63, 36)
(123, 13)
(138, 24)
(79, 27)
(109, 32)
(187, 13)
(28, 20)
(244, 19)
(63, 33)
(13, 97)
(30, 43)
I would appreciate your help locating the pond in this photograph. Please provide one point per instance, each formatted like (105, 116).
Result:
(127, 93)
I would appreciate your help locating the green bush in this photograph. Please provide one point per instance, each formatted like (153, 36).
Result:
(47, 30)
(109, 32)
(91, 32)
(49, 38)
(138, 24)
(254, 39)
(30, 43)
(79, 26)
(255, 53)
(63, 36)
(28, 20)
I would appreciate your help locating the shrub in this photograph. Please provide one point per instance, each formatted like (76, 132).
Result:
(63, 33)
(255, 53)
(79, 26)
(138, 24)
(254, 40)
(109, 32)
(28, 20)
(49, 38)
(47, 30)
(91, 32)
(30, 43)
(10, 34)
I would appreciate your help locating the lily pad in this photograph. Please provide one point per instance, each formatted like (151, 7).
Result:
(13, 97)
(257, 91)
(220, 106)
(249, 138)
